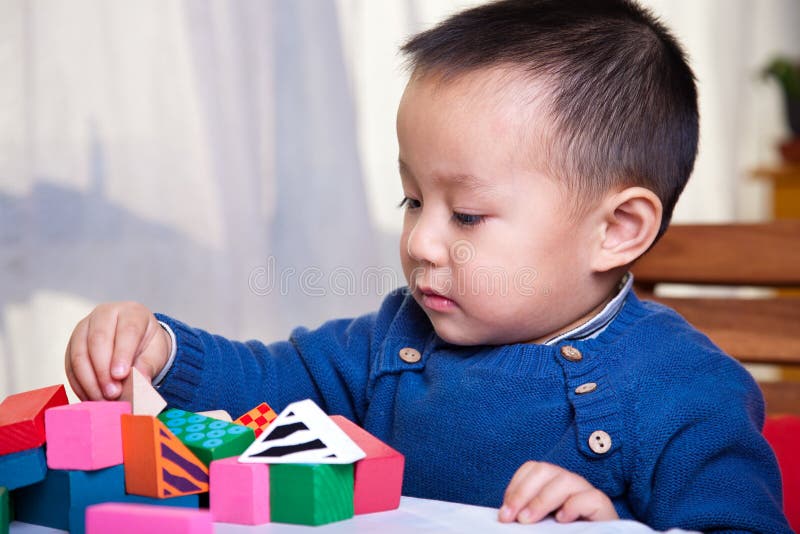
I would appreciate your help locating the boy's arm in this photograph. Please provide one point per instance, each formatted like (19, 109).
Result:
(329, 365)
(704, 464)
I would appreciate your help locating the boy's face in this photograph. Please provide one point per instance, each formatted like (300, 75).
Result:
(489, 248)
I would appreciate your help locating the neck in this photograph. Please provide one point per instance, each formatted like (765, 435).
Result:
(586, 317)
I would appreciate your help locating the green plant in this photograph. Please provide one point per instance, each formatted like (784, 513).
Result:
(787, 73)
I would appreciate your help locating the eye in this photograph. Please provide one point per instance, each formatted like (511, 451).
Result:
(409, 203)
(466, 219)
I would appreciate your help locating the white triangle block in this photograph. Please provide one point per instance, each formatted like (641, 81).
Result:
(220, 415)
(144, 398)
(303, 434)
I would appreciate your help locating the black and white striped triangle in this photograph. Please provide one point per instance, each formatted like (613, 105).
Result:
(303, 434)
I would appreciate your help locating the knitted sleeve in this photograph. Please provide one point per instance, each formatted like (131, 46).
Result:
(328, 365)
(701, 461)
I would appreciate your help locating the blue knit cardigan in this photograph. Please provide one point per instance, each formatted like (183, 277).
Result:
(683, 420)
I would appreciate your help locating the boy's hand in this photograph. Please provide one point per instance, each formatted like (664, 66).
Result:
(107, 342)
(538, 489)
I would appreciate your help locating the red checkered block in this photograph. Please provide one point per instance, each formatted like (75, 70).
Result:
(259, 418)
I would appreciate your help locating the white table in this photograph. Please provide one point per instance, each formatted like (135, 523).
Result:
(415, 515)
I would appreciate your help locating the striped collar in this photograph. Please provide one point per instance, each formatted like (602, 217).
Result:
(595, 326)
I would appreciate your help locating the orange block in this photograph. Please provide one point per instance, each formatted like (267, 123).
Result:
(22, 418)
(259, 418)
(157, 464)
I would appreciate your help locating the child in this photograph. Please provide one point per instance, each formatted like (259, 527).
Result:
(543, 145)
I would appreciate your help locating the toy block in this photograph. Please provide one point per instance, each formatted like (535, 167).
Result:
(22, 418)
(209, 439)
(239, 492)
(379, 476)
(310, 494)
(303, 433)
(77, 516)
(49, 502)
(22, 468)
(116, 493)
(144, 398)
(61, 499)
(222, 415)
(157, 464)
(137, 518)
(259, 418)
(86, 435)
(5, 511)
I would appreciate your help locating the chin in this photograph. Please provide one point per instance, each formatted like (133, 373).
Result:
(456, 335)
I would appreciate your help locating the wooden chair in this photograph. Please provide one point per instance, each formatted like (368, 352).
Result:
(762, 330)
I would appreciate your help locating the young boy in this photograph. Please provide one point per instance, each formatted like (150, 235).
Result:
(543, 145)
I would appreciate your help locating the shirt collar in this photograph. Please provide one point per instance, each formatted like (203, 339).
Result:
(595, 326)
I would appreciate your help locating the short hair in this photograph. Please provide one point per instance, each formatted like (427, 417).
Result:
(622, 94)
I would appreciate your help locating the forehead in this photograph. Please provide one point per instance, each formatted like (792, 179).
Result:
(472, 126)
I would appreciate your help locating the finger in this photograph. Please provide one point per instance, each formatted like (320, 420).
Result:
(100, 340)
(73, 381)
(81, 365)
(551, 496)
(593, 505)
(524, 486)
(129, 337)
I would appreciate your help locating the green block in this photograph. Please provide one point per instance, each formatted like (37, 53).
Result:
(305, 494)
(208, 438)
(5, 514)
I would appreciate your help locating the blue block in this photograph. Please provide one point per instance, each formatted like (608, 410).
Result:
(23, 468)
(60, 501)
(45, 503)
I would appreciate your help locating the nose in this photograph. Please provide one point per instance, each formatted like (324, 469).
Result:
(426, 241)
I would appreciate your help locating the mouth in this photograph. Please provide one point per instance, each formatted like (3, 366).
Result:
(433, 301)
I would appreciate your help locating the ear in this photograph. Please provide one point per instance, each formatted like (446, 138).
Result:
(629, 223)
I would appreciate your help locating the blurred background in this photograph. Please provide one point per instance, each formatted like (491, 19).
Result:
(233, 163)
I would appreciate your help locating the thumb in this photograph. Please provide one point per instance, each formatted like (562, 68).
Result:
(153, 357)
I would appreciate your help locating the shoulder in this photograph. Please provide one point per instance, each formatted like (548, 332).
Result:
(661, 364)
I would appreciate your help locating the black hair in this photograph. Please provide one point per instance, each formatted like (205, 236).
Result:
(622, 95)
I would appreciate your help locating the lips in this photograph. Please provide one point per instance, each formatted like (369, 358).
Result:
(433, 301)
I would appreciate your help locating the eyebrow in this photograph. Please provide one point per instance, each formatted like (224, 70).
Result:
(467, 181)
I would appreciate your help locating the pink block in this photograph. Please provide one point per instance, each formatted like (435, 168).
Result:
(239, 492)
(85, 436)
(379, 476)
(137, 518)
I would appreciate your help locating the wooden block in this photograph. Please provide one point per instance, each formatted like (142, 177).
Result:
(310, 494)
(239, 492)
(22, 418)
(5, 511)
(22, 468)
(137, 518)
(86, 435)
(114, 482)
(157, 464)
(303, 433)
(144, 398)
(45, 503)
(259, 418)
(49, 502)
(379, 476)
(209, 439)
(222, 415)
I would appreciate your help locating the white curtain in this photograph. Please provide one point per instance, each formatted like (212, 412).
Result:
(233, 163)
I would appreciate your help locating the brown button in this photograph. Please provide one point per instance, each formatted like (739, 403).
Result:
(410, 355)
(588, 387)
(600, 442)
(571, 353)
